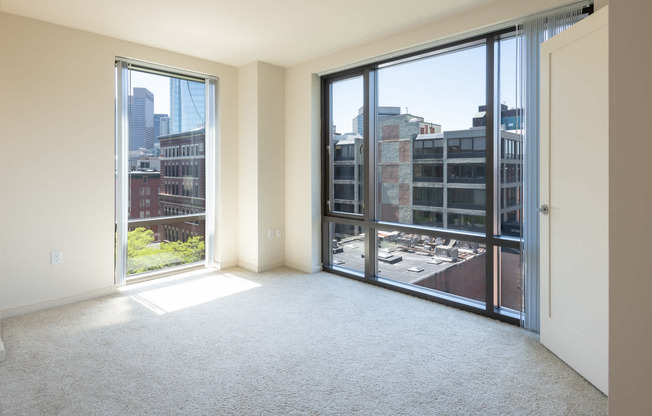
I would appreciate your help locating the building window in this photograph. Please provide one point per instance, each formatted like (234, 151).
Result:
(468, 147)
(344, 152)
(433, 197)
(345, 172)
(344, 191)
(428, 148)
(429, 218)
(428, 173)
(467, 198)
(466, 173)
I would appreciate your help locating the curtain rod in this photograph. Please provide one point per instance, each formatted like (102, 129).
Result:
(587, 7)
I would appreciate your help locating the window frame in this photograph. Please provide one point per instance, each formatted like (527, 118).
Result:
(493, 242)
(122, 222)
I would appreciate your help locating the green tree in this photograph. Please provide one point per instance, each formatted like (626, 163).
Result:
(138, 240)
(142, 256)
(190, 251)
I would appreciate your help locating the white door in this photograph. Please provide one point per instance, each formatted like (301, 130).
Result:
(575, 187)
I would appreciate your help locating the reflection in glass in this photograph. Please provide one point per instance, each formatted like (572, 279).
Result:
(510, 201)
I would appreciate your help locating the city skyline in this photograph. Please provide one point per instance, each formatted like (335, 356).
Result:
(431, 88)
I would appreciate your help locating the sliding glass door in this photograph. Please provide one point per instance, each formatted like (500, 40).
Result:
(422, 178)
(164, 145)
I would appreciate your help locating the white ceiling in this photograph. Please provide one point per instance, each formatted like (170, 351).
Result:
(237, 32)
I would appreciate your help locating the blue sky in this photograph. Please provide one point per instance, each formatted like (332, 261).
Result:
(156, 84)
(444, 89)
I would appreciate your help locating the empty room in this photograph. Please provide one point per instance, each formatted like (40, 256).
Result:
(371, 208)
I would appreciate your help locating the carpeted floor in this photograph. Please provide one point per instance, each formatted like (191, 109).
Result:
(278, 343)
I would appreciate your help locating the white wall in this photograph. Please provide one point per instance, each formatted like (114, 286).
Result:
(271, 165)
(261, 166)
(57, 112)
(248, 167)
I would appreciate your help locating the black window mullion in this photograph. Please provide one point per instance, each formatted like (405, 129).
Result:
(326, 97)
(489, 162)
(369, 144)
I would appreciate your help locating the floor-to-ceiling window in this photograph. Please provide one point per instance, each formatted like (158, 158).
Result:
(164, 141)
(423, 174)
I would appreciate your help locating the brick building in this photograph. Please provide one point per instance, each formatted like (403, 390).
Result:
(429, 177)
(144, 197)
(183, 186)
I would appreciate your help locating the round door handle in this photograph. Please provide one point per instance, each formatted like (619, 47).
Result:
(544, 209)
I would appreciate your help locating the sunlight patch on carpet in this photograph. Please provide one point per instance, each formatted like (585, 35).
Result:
(185, 295)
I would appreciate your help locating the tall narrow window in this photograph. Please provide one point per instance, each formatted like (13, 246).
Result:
(161, 114)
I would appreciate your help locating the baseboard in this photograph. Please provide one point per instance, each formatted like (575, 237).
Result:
(35, 307)
(257, 268)
(248, 266)
(272, 266)
(302, 267)
(225, 264)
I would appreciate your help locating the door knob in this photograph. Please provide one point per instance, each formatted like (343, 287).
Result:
(544, 209)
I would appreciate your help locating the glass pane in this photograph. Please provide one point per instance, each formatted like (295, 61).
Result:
(511, 293)
(158, 246)
(166, 146)
(450, 266)
(431, 140)
(510, 178)
(167, 167)
(347, 246)
(346, 159)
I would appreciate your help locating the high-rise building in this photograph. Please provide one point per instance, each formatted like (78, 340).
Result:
(141, 119)
(161, 125)
(187, 104)
(510, 118)
(358, 122)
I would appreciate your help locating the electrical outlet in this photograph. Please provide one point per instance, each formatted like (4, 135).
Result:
(270, 233)
(279, 233)
(56, 257)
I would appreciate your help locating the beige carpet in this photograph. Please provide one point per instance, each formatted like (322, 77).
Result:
(278, 343)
